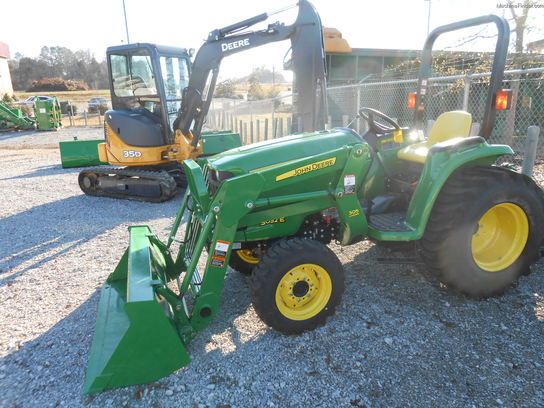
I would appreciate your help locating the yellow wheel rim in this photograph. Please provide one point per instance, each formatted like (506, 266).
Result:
(500, 238)
(248, 256)
(303, 292)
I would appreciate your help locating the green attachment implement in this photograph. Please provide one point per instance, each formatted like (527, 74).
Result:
(80, 153)
(214, 142)
(48, 114)
(14, 118)
(136, 340)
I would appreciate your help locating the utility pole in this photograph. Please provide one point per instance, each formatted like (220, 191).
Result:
(126, 24)
(428, 16)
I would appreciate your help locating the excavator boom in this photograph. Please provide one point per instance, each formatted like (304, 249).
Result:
(308, 64)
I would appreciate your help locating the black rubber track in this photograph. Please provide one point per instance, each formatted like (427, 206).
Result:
(278, 260)
(165, 181)
(465, 197)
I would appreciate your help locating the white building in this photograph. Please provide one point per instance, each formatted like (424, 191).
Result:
(5, 77)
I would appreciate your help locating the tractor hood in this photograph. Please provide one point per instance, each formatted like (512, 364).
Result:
(273, 152)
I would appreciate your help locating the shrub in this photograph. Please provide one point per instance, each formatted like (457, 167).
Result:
(65, 107)
(102, 108)
(28, 110)
(8, 99)
(57, 84)
(225, 89)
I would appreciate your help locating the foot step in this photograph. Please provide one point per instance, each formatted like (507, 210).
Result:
(388, 222)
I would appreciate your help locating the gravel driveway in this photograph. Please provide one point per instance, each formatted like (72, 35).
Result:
(398, 339)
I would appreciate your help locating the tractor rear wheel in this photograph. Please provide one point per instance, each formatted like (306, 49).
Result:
(297, 285)
(484, 231)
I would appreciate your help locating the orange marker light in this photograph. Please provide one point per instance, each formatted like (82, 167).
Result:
(411, 100)
(502, 101)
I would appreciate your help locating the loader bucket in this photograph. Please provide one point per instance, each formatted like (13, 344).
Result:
(136, 340)
(80, 153)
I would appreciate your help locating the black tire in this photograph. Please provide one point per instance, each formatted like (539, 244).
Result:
(456, 219)
(272, 272)
(238, 263)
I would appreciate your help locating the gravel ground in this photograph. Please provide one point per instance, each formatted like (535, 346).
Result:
(398, 339)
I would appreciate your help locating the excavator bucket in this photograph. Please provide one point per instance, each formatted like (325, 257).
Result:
(136, 338)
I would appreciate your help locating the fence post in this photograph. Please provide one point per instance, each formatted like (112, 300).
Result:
(245, 133)
(71, 115)
(99, 119)
(241, 131)
(251, 132)
(358, 107)
(274, 127)
(430, 124)
(258, 130)
(85, 116)
(281, 127)
(329, 122)
(531, 144)
(289, 125)
(266, 129)
(466, 94)
(475, 129)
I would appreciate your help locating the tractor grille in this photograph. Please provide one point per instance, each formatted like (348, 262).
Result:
(194, 229)
(214, 178)
(211, 183)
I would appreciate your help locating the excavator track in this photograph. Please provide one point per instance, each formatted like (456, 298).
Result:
(127, 183)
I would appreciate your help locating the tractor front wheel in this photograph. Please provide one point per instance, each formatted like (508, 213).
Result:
(484, 231)
(297, 285)
(244, 260)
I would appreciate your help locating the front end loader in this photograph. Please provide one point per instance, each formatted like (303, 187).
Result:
(275, 206)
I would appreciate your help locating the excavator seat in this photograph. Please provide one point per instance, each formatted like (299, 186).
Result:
(449, 125)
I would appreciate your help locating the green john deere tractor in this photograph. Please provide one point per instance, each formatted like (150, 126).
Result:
(272, 208)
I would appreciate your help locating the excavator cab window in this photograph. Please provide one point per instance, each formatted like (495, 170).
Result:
(175, 75)
(133, 75)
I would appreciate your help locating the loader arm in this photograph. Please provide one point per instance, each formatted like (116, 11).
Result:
(308, 61)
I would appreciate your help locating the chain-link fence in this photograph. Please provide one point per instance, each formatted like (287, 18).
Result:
(461, 92)
(260, 120)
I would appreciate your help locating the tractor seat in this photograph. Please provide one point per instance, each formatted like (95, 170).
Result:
(448, 125)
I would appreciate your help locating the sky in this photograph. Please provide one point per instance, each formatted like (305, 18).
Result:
(98, 24)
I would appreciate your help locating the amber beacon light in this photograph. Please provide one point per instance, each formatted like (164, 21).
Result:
(411, 103)
(503, 99)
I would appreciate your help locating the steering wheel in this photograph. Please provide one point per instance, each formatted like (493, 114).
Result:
(369, 114)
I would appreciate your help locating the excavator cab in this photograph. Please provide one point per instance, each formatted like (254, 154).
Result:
(146, 82)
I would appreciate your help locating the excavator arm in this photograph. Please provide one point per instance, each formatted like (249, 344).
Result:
(308, 62)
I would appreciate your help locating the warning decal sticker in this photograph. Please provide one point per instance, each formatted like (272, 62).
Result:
(220, 253)
(349, 184)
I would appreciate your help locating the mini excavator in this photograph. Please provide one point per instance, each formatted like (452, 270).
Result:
(160, 102)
